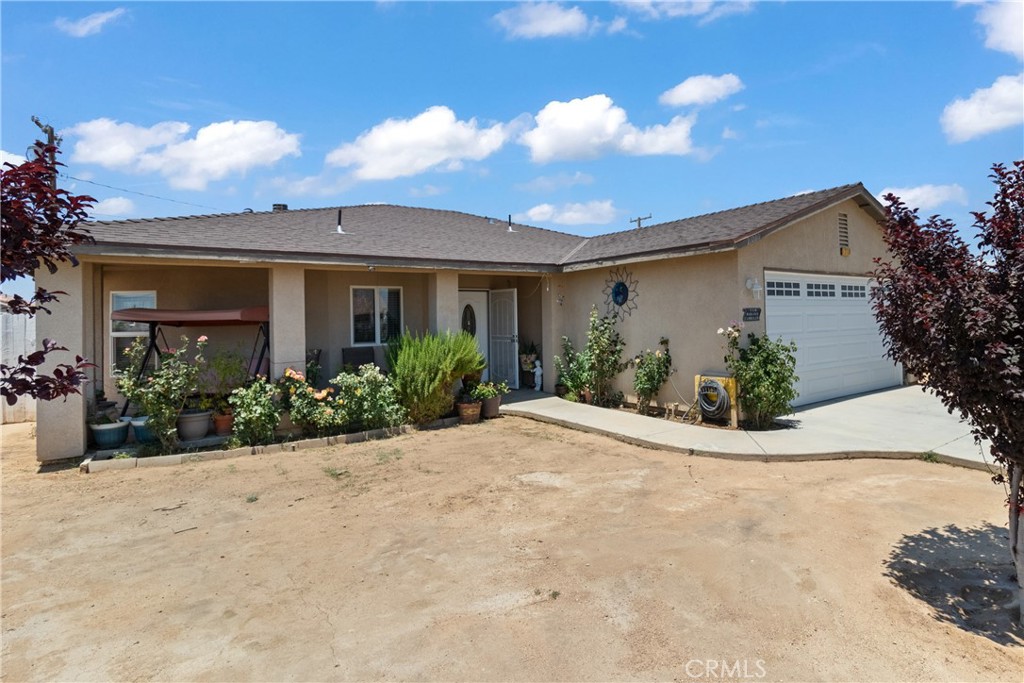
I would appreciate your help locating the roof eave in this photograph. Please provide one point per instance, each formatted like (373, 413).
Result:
(247, 257)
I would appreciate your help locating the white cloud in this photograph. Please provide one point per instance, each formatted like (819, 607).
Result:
(217, 150)
(987, 110)
(1003, 22)
(552, 19)
(115, 206)
(13, 159)
(90, 25)
(729, 134)
(598, 212)
(405, 147)
(589, 127)
(927, 197)
(706, 10)
(703, 89)
(556, 182)
(543, 20)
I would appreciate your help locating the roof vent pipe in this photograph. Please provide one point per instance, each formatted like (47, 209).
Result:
(340, 231)
(280, 207)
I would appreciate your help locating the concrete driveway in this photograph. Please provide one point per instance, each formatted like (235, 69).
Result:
(903, 422)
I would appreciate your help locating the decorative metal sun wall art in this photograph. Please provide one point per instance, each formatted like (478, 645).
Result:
(620, 293)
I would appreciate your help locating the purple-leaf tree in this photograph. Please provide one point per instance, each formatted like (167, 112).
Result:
(955, 318)
(41, 224)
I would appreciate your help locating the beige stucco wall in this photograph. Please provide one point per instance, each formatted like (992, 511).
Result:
(685, 299)
(61, 431)
(328, 302)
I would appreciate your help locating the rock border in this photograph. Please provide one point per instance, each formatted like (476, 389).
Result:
(105, 461)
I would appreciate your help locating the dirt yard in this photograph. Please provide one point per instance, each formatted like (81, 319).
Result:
(510, 550)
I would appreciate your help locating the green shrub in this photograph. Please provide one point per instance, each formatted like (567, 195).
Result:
(256, 413)
(425, 367)
(487, 390)
(595, 367)
(369, 398)
(652, 371)
(161, 391)
(573, 368)
(765, 371)
(317, 411)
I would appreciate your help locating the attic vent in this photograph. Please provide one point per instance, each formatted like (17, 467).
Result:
(280, 207)
(844, 235)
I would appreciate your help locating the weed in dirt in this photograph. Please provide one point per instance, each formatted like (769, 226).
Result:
(537, 591)
(386, 456)
(252, 498)
(555, 594)
(280, 469)
(122, 456)
(232, 469)
(930, 456)
(335, 473)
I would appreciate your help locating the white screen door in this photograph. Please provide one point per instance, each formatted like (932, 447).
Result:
(504, 323)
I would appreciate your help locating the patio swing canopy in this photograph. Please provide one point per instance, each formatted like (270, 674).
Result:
(253, 315)
(160, 317)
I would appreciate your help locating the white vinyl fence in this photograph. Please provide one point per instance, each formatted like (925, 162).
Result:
(17, 338)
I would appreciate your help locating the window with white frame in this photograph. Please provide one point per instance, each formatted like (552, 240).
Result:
(376, 315)
(123, 334)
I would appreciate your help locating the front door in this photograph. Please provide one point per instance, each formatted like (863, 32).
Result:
(504, 356)
(473, 313)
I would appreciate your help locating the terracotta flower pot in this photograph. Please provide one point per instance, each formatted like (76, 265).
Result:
(223, 423)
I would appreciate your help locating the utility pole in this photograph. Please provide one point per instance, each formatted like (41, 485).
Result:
(51, 151)
(638, 219)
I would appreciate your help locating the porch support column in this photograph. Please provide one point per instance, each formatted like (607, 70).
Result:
(443, 301)
(287, 319)
(60, 424)
(552, 327)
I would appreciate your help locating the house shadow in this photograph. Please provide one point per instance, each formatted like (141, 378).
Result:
(966, 575)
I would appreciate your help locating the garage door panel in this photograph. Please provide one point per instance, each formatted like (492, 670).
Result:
(839, 347)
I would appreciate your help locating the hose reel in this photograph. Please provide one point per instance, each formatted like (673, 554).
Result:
(716, 398)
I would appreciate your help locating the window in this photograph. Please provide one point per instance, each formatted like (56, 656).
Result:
(776, 288)
(820, 290)
(123, 334)
(853, 291)
(376, 315)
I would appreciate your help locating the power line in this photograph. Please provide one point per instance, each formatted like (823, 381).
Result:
(141, 194)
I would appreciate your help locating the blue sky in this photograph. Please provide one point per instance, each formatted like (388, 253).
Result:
(574, 116)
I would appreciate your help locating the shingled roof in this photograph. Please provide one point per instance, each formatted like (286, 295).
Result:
(729, 229)
(399, 235)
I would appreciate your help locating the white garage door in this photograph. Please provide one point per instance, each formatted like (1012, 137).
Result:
(839, 347)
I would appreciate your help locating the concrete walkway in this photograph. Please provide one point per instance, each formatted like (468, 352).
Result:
(897, 423)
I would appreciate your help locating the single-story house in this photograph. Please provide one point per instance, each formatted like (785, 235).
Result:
(349, 279)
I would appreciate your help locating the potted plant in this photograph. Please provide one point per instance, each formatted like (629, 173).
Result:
(107, 433)
(227, 372)
(161, 393)
(489, 394)
(469, 409)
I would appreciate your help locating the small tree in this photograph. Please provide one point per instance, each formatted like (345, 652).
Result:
(955, 318)
(41, 223)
